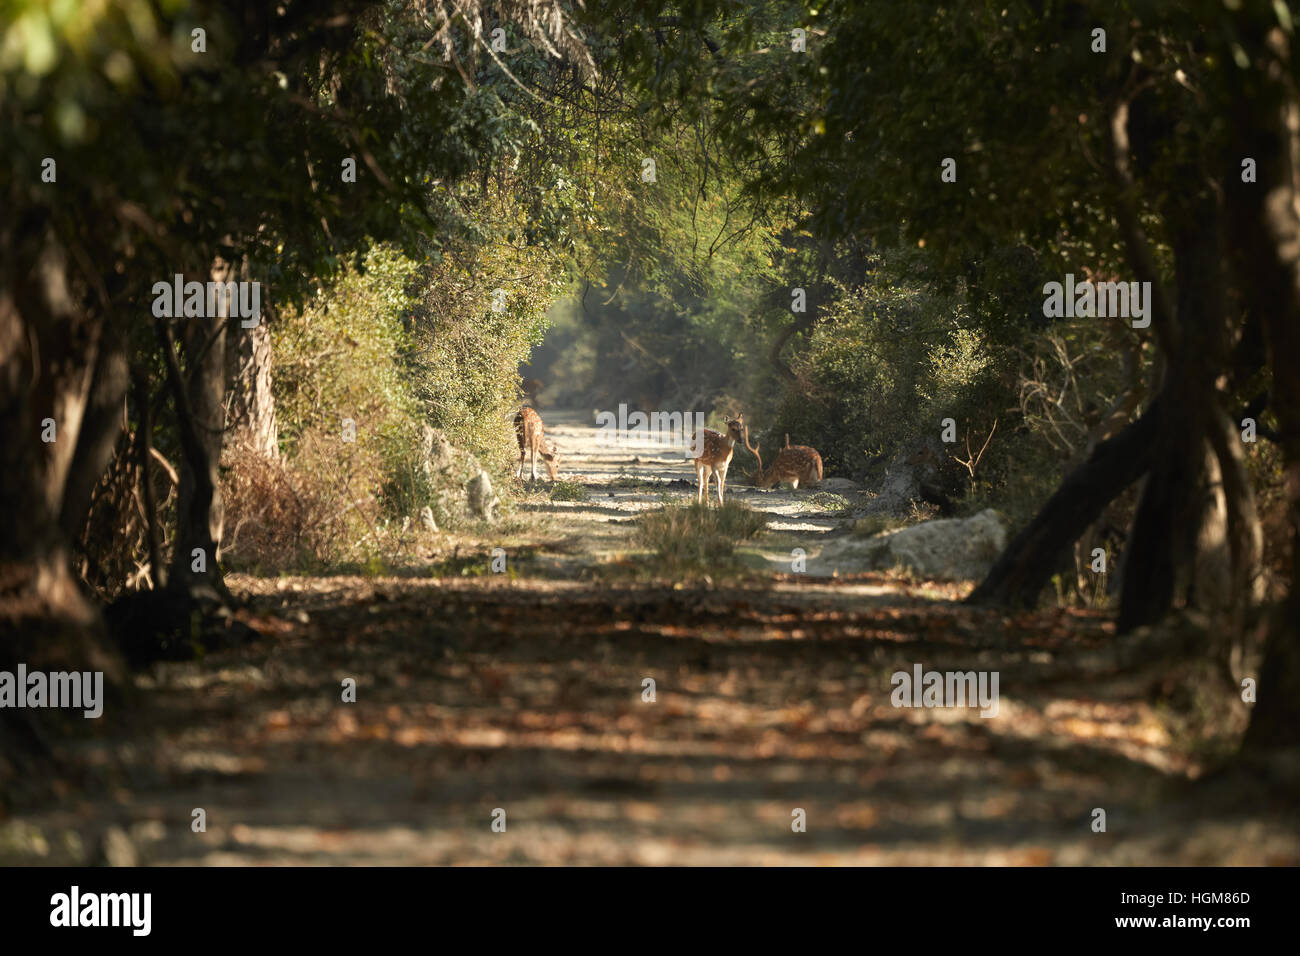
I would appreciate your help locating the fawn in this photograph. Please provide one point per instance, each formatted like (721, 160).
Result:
(794, 463)
(715, 457)
(528, 430)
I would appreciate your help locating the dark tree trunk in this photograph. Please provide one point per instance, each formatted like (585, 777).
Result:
(49, 345)
(1026, 566)
(192, 611)
(199, 398)
(48, 349)
(1244, 533)
(1264, 229)
(100, 429)
(1178, 550)
(199, 416)
(1178, 530)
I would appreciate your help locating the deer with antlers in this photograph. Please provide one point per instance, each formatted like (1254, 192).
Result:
(794, 463)
(529, 432)
(715, 456)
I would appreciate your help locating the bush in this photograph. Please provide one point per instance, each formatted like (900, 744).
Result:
(885, 363)
(274, 518)
(471, 325)
(568, 490)
(395, 346)
(828, 501)
(337, 359)
(697, 535)
(891, 357)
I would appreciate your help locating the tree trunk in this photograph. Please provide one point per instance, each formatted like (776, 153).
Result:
(248, 373)
(101, 426)
(1245, 535)
(48, 352)
(48, 349)
(1264, 228)
(200, 410)
(1026, 566)
(1179, 549)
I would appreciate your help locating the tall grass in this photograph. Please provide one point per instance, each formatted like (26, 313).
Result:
(697, 536)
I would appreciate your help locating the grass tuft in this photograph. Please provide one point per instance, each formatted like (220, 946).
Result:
(568, 490)
(700, 535)
(828, 501)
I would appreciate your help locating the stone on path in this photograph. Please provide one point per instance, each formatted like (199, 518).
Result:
(958, 549)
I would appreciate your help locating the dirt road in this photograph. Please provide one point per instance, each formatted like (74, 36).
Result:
(524, 697)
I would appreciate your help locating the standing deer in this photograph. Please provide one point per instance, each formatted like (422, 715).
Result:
(794, 463)
(528, 430)
(715, 457)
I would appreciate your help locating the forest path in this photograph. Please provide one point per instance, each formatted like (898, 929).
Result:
(523, 692)
(622, 481)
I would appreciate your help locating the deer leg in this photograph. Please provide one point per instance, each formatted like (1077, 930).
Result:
(534, 461)
(722, 481)
(519, 472)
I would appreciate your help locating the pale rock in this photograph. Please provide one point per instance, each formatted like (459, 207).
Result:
(958, 549)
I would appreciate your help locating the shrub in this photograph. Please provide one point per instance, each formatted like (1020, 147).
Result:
(275, 518)
(467, 339)
(828, 501)
(697, 535)
(886, 362)
(568, 490)
(395, 346)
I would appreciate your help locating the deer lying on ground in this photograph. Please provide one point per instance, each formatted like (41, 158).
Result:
(528, 430)
(794, 463)
(715, 457)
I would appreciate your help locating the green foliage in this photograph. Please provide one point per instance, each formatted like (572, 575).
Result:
(667, 270)
(467, 341)
(260, 139)
(827, 501)
(336, 358)
(170, 157)
(884, 364)
(395, 346)
(568, 490)
(774, 170)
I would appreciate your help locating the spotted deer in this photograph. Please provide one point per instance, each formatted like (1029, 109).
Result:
(528, 430)
(794, 463)
(715, 457)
